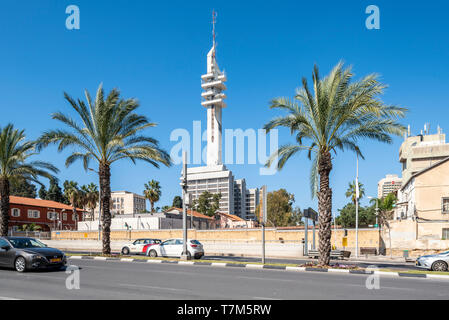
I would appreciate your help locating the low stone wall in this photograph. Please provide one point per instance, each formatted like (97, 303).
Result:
(280, 243)
(211, 248)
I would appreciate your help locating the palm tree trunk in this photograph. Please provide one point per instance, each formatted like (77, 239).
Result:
(75, 217)
(152, 206)
(325, 208)
(105, 196)
(4, 204)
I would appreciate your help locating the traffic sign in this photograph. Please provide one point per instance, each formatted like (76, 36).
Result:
(310, 214)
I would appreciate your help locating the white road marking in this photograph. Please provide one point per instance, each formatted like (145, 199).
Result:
(8, 298)
(127, 260)
(295, 269)
(218, 264)
(154, 261)
(338, 270)
(76, 257)
(100, 258)
(254, 266)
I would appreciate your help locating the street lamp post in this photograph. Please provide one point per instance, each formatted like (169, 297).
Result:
(184, 255)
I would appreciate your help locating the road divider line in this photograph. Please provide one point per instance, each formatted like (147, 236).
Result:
(297, 269)
(338, 270)
(254, 266)
(76, 257)
(218, 264)
(100, 258)
(438, 276)
(126, 260)
(154, 261)
(186, 262)
(385, 273)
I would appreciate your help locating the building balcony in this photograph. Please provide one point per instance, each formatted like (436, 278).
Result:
(216, 102)
(213, 84)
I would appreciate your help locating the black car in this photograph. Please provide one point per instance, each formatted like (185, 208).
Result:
(24, 254)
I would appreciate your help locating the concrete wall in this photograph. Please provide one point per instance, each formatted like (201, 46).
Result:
(285, 243)
(418, 238)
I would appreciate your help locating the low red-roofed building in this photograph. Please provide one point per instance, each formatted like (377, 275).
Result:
(230, 221)
(49, 215)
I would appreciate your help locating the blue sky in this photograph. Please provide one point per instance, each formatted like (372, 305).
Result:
(156, 52)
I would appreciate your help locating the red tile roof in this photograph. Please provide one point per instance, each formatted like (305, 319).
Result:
(40, 203)
(191, 212)
(233, 217)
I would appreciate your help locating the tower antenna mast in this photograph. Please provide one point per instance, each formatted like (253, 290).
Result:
(214, 21)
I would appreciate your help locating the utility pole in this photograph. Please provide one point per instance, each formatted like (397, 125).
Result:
(264, 220)
(184, 255)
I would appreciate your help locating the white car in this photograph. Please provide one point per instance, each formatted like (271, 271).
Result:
(137, 247)
(174, 247)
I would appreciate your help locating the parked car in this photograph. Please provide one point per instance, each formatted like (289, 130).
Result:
(147, 246)
(174, 247)
(434, 262)
(24, 254)
(137, 246)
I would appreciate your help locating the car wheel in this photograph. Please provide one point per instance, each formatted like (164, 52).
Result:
(20, 264)
(153, 254)
(439, 266)
(125, 251)
(189, 255)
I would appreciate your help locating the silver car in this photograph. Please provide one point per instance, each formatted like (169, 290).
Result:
(434, 262)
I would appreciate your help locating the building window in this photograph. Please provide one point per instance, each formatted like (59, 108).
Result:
(15, 212)
(64, 216)
(445, 234)
(34, 214)
(445, 205)
(52, 215)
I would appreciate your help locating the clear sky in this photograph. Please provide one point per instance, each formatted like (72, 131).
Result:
(156, 52)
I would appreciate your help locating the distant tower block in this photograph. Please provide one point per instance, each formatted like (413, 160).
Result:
(213, 99)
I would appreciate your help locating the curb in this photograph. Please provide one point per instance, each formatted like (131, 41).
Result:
(269, 267)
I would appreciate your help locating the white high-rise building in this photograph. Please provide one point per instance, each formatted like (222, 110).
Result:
(215, 177)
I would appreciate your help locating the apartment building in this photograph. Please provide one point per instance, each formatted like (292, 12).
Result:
(422, 151)
(125, 202)
(391, 183)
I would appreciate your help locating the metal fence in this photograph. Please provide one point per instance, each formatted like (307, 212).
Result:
(32, 234)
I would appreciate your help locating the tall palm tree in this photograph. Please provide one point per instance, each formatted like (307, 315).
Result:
(352, 192)
(336, 116)
(152, 192)
(92, 197)
(74, 196)
(109, 131)
(14, 155)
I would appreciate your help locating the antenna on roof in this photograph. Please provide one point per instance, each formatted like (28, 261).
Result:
(214, 21)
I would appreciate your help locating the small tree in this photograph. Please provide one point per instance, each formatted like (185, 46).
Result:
(352, 192)
(207, 203)
(385, 213)
(177, 202)
(152, 192)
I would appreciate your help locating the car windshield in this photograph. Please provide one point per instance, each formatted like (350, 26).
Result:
(444, 253)
(195, 242)
(22, 243)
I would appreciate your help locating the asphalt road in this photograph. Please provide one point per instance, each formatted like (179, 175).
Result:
(378, 264)
(125, 280)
